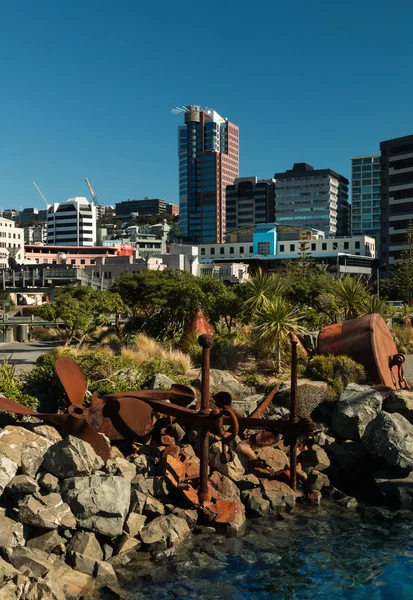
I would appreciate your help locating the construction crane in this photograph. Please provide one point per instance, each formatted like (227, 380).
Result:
(40, 192)
(92, 193)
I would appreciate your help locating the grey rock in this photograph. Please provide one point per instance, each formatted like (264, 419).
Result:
(255, 503)
(137, 501)
(157, 486)
(310, 395)
(48, 542)
(357, 406)
(355, 449)
(85, 543)
(48, 482)
(232, 469)
(105, 573)
(190, 515)
(126, 543)
(222, 381)
(390, 437)
(248, 482)
(99, 503)
(164, 532)
(153, 508)
(395, 488)
(161, 382)
(8, 469)
(107, 551)
(71, 457)
(7, 571)
(323, 439)
(224, 487)
(11, 533)
(314, 458)
(82, 563)
(31, 561)
(273, 458)
(139, 484)
(400, 401)
(144, 464)
(134, 524)
(279, 494)
(345, 461)
(316, 481)
(24, 448)
(246, 406)
(121, 466)
(177, 432)
(47, 511)
(22, 484)
(348, 502)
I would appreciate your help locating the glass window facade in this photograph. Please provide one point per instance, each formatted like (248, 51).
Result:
(365, 187)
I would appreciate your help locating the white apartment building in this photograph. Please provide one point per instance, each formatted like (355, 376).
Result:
(11, 242)
(72, 223)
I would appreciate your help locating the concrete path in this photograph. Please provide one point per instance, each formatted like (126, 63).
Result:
(24, 354)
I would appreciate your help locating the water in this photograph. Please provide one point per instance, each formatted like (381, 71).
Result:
(315, 554)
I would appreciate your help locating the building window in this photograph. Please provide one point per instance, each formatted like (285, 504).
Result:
(292, 247)
(73, 261)
(222, 250)
(231, 250)
(241, 249)
(82, 261)
(264, 248)
(313, 247)
(345, 245)
(212, 251)
(281, 247)
(357, 245)
(251, 249)
(202, 251)
(324, 246)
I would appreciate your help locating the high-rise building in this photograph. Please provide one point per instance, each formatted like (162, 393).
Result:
(72, 223)
(365, 194)
(316, 198)
(29, 216)
(208, 148)
(148, 206)
(250, 202)
(396, 196)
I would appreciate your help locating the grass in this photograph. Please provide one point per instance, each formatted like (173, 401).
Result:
(403, 337)
(145, 349)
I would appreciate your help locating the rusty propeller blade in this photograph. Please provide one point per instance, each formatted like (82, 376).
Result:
(129, 416)
(72, 379)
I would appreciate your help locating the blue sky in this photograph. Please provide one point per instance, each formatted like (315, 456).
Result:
(87, 88)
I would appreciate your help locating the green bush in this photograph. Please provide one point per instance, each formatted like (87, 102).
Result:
(12, 388)
(338, 371)
(252, 379)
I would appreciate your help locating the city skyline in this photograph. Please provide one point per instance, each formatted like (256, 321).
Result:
(89, 90)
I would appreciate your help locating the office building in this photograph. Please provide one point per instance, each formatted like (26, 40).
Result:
(365, 194)
(250, 202)
(138, 208)
(11, 242)
(72, 223)
(208, 151)
(35, 234)
(396, 197)
(29, 216)
(316, 198)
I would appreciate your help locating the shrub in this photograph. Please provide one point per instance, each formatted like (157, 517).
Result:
(338, 371)
(12, 388)
(251, 378)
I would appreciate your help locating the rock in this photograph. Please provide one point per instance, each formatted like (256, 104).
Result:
(395, 487)
(187, 451)
(157, 486)
(24, 448)
(222, 381)
(248, 482)
(45, 431)
(134, 524)
(400, 401)
(273, 458)
(223, 487)
(153, 508)
(246, 450)
(99, 503)
(345, 461)
(323, 439)
(47, 511)
(31, 561)
(22, 484)
(107, 551)
(11, 533)
(85, 542)
(126, 544)
(256, 505)
(314, 458)
(246, 406)
(173, 469)
(48, 482)
(8, 469)
(177, 431)
(121, 466)
(161, 382)
(71, 457)
(137, 501)
(232, 469)
(314, 497)
(7, 571)
(357, 406)
(192, 467)
(310, 395)
(190, 515)
(279, 494)
(355, 449)
(230, 516)
(143, 463)
(316, 481)
(164, 532)
(139, 484)
(104, 573)
(48, 542)
(390, 437)
(348, 502)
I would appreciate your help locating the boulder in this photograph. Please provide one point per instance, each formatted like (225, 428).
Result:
(121, 466)
(345, 461)
(8, 469)
(246, 406)
(310, 395)
(222, 381)
(273, 458)
(48, 482)
(316, 481)
(24, 448)
(230, 516)
(48, 542)
(400, 401)
(47, 511)
(85, 543)
(161, 382)
(248, 482)
(31, 561)
(390, 437)
(99, 503)
(72, 457)
(153, 508)
(255, 503)
(7, 571)
(164, 532)
(11, 533)
(22, 484)
(190, 515)
(134, 524)
(223, 487)
(102, 571)
(232, 469)
(395, 487)
(357, 406)
(314, 458)
(137, 501)
(279, 494)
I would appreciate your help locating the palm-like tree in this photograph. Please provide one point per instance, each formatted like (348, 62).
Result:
(261, 289)
(274, 322)
(350, 295)
(372, 304)
(406, 315)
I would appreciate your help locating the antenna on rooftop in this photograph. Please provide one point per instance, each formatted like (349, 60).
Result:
(40, 192)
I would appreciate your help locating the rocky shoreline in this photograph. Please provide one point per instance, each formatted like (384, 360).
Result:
(69, 522)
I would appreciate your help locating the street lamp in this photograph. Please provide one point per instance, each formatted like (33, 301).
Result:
(378, 279)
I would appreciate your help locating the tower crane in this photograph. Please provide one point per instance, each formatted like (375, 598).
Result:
(92, 193)
(40, 192)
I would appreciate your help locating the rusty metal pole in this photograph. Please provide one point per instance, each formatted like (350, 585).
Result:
(293, 413)
(206, 342)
